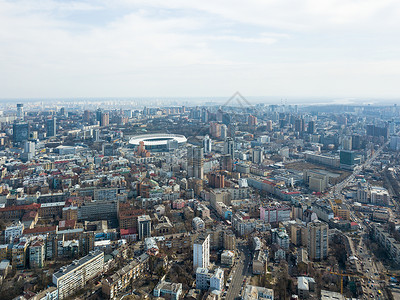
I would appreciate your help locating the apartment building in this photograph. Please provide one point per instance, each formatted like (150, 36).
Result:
(120, 280)
(73, 277)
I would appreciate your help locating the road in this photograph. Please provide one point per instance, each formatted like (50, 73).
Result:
(366, 264)
(240, 273)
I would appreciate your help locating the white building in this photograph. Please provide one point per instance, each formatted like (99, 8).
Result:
(168, 289)
(258, 293)
(13, 232)
(206, 279)
(37, 254)
(73, 277)
(201, 251)
(198, 223)
(207, 144)
(217, 280)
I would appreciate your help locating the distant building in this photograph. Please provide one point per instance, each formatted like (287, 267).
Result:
(51, 127)
(20, 111)
(195, 162)
(20, 132)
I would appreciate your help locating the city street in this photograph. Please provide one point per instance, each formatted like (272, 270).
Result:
(240, 272)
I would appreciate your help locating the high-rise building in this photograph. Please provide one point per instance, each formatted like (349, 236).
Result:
(29, 151)
(144, 227)
(20, 111)
(51, 127)
(98, 115)
(105, 119)
(216, 180)
(347, 159)
(20, 132)
(86, 116)
(317, 245)
(299, 125)
(347, 143)
(252, 120)
(207, 144)
(257, 155)
(223, 131)
(195, 162)
(201, 251)
(229, 147)
(226, 162)
(269, 125)
(311, 127)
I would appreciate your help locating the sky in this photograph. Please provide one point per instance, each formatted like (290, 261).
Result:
(338, 49)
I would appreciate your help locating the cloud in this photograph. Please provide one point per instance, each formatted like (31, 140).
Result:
(179, 47)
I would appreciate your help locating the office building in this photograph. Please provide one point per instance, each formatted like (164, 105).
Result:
(317, 246)
(144, 227)
(73, 277)
(51, 127)
(316, 180)
(347, 159)
(195, 162)
(201, 251)
(20, 132)
(20, 111)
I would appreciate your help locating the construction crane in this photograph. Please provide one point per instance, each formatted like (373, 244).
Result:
(348, 275)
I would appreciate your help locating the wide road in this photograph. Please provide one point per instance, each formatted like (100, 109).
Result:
(240, 272)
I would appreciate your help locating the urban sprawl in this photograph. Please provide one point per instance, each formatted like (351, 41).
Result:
(199, 202)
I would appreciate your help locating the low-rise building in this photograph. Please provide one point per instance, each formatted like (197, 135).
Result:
(13, 231)
(258, 293)
(168, 289)
(118, 282)
(227, 258)
(206, 279)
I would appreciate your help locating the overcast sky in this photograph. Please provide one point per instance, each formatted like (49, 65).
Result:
(279, 48)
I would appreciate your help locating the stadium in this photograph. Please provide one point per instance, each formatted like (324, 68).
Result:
(158, 141)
